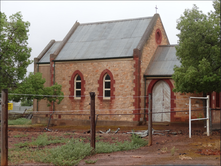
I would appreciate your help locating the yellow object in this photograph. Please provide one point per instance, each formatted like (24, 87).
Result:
(10, 106)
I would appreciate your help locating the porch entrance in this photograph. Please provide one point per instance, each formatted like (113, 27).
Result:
(161, 102)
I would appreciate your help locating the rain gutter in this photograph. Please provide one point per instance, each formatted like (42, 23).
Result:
(157, 76)
(43, 63)
(66, 60)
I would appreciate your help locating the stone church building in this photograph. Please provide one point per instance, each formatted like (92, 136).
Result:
(123, 62)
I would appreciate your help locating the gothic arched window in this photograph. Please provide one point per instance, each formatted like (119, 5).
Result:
(77, 87)
(107, 87)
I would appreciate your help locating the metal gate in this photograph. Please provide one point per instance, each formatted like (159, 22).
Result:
(161, 102)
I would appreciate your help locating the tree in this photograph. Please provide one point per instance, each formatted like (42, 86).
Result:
(27, 103)
(198, 50)
(14, 60)
(33, 88)
(14, 50)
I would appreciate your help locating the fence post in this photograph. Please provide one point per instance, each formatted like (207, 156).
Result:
(150, 121)
(4, 128)
(207, 116)
(189, 117)
(92, 103)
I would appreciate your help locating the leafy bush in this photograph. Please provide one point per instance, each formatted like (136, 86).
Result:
(69, 154)
(42, 140)
(136, 140)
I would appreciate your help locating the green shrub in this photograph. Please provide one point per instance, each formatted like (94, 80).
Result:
(42, 140)
(135, 139)
(69, 154)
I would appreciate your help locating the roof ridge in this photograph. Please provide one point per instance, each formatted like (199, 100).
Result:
(102, 22)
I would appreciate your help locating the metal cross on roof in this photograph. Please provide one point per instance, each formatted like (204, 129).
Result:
(156, 8)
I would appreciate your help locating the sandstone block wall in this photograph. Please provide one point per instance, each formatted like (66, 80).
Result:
(122, 71)
(148, 52)
(45, 70)
(182, 104)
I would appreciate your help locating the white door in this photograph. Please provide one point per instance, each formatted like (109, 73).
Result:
(161, 102)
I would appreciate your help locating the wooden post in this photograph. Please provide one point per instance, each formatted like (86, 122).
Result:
(92, 95)
(4, 128)
(150, 121)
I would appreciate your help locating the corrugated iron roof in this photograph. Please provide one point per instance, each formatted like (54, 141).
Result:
(163, 61)
(113, 39)
(46, 57)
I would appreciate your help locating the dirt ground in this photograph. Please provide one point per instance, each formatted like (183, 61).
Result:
(174, 147)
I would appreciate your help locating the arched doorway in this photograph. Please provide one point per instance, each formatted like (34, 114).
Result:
(161, 98)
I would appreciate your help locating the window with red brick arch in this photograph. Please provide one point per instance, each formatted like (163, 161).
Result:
(77, 87)
(107, 87)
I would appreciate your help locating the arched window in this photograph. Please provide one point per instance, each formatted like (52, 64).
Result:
(107, 87)
(77, 85)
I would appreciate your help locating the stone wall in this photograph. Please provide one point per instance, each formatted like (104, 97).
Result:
(182, 104)
(148, 52)
(45, 70)
(122, 103)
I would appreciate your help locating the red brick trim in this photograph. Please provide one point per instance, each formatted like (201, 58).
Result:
(52, 57)
(137, 84)
(172, 96)
(213, 100)
(158, 36)
(71, 82)
(100, 87)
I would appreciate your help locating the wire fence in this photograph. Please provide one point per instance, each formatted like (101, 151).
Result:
(118, 114)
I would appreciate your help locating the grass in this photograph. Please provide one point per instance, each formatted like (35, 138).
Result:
(20, 121)
(20, 135)
(98, 138)
(90, 161)
(164, 150)
(68, 133)
(70, 153)
(41, 140)
(173, 150)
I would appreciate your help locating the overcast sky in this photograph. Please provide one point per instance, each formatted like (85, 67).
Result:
(53, 19)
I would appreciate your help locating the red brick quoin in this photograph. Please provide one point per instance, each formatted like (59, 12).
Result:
(100, 87)
(172, 98)
(71, 82)
(52, 57)
(137, 83)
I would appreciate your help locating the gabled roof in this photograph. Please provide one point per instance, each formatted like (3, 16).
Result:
(163, 62)
(101, 40)
(51, 50)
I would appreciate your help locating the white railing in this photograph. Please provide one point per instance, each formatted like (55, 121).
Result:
(207, 114)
